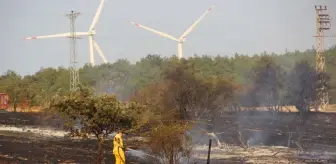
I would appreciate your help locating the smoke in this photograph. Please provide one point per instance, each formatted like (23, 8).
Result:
(153, 159)
(272, 88)
(139, 153)
(257, 138)
(214, 136)
(109, 78)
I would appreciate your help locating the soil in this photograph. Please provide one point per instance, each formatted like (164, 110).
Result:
(304, 134)
(40, 119)
(20, 149)
(275, 129)
(29, 148)
(309, 136)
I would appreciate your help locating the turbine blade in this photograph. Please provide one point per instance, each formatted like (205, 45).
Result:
(100, 52)
(91, 51)
(155, 31)
(49, 36)
(63, 35)
(96, 17)
(196, 22)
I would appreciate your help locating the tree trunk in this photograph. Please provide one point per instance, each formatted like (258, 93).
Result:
(14, 104)
(100, 155)
(171, 158)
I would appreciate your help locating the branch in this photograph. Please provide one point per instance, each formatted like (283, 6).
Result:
(243, 145)
(72, 155)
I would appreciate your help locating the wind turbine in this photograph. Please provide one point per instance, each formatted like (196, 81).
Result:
(90, 34)
(182, 38)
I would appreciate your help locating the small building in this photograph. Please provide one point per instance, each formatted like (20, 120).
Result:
(4, 101)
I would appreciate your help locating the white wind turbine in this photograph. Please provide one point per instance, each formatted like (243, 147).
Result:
(90, 34)
(182, 38)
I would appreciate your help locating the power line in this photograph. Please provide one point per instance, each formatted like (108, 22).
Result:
(322, 24)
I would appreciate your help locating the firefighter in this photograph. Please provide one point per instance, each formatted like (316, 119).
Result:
(118, 148)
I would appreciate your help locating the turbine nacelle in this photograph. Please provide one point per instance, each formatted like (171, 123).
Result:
(92, 32)
(181, 40)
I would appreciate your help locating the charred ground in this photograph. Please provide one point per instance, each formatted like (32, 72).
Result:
(315, 134)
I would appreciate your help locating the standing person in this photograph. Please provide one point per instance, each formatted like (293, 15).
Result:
(118, 148)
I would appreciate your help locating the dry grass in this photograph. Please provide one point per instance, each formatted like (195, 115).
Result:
(260, 155)
(254, 155)
(330, 108)
(25, 110)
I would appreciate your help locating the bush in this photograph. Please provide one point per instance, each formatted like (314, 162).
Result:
(170, 144)
(98, 115)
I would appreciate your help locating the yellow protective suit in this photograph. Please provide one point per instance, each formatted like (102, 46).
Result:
(118, 149)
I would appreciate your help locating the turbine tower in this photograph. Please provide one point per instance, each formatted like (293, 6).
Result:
(182, 38)
(91, 33)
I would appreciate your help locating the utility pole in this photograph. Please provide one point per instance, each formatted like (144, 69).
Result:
(322, 25)
(74, 75)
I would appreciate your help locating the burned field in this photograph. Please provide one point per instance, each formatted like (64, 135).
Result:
(246, 137)
(22, 149)
(311, 137)
(273, 128)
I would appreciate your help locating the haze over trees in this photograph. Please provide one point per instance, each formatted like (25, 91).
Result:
(163, 97)
(259, 73)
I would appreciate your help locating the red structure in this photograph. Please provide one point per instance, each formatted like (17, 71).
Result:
(4, 101)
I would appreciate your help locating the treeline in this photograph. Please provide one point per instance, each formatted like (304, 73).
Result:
(161, 98)
(261, 79)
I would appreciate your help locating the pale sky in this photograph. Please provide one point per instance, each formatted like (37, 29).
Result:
(242, 26)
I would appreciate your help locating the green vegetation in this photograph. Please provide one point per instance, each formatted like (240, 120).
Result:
(124, 79)
(162, 97)
(97, 115)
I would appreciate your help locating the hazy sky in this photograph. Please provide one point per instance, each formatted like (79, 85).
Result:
(242, 26)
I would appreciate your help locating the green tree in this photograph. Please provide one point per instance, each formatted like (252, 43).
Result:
(125, 78)
(12, 85)
(268, 84)
(98, 115)
(302, 84)
(165, 130)
(170, 144)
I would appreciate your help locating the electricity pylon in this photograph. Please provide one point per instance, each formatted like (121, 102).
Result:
(74, 75)
(322, 25)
